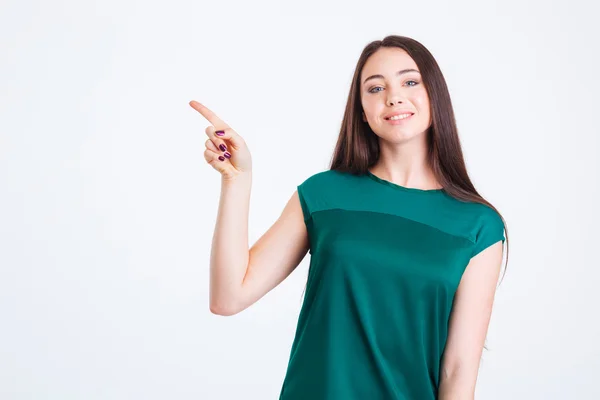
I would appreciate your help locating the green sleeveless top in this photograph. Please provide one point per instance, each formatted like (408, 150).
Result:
(386, 261)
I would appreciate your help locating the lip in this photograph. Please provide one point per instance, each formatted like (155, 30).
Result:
(400, 112)
(398, 121)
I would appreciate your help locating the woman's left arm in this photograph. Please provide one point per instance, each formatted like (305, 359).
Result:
(468, 325)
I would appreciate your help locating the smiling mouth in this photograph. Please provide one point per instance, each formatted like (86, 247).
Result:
(399, 117)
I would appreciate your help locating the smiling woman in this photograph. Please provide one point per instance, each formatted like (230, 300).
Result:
(405, 254)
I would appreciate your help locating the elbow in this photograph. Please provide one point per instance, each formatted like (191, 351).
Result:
(227, 303)
(225, 309)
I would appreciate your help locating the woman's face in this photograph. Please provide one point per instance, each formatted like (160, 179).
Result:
(396, 88)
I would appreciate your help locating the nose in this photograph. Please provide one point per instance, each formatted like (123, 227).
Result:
(393, 98)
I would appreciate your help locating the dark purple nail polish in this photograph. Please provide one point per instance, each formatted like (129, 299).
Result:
(222, 147)
(221, 158)
(227, 154)
(220, 133)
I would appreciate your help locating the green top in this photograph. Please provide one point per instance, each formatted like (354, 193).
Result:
(386, 261)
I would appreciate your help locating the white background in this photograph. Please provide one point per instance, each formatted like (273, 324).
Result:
(107, 206)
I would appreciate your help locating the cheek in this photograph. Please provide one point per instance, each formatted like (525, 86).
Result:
(370, 109)
(422, 102)
(373, 108)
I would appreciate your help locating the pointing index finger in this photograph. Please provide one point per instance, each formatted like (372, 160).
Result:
(208, 114)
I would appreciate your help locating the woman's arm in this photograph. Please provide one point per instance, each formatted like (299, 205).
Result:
(468, 326)
(240, 276)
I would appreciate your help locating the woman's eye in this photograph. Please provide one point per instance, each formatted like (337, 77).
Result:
(372, 90)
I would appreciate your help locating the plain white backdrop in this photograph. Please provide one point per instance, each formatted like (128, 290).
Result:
(107, 206)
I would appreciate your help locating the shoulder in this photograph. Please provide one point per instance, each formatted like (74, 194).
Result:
(479, 223)
(487, 227)
(325, 179)
(327, 175)
(474, 212)
(326, 190)
(485, 215)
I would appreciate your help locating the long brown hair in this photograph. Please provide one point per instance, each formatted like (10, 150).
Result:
(357, 147)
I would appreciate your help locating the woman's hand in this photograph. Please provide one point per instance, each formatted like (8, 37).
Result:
(226, 151)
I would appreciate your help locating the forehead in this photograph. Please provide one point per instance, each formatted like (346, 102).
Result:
(387, 61)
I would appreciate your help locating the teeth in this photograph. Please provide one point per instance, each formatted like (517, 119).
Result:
(397, 117)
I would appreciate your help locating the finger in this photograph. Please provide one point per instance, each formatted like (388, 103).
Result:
(213, 158)
(211, 146)
(218, 142)
(219, 136)
(209, 115)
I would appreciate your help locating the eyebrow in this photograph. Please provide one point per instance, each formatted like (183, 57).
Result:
(404, 71)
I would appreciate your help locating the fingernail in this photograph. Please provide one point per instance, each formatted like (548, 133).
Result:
(227, 154)
(220, 133)
(221, 158)
(222, 147)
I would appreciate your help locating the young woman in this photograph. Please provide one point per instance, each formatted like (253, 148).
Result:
(405, 254)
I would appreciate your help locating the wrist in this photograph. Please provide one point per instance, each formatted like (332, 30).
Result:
(245, 177)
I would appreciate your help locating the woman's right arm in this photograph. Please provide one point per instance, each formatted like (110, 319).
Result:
(240, 276)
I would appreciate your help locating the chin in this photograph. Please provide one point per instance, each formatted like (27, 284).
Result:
(399, 135)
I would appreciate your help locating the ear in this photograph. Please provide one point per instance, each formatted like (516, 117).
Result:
(364, 117)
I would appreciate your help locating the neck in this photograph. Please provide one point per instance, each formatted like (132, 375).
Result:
(405, 164)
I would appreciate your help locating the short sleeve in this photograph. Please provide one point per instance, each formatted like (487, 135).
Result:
(313, 194)
(304, 196)
(490, 231)
(306, 202)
